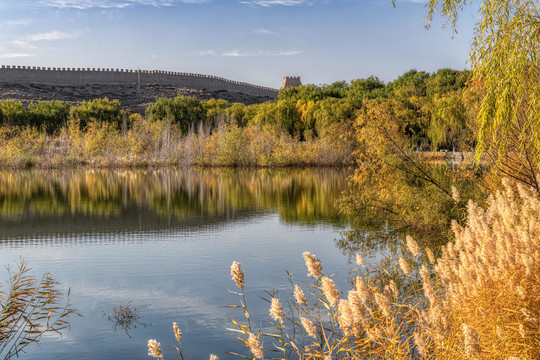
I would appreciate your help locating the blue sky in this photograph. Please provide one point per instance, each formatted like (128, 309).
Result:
(257, 41)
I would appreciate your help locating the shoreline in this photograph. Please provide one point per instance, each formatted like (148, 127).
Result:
(177, 165)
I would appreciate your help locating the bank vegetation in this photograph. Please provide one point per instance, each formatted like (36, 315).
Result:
(306, 126)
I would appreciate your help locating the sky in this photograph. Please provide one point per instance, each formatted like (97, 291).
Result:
(256, 41)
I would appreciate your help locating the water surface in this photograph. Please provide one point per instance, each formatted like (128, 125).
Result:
(166, 238)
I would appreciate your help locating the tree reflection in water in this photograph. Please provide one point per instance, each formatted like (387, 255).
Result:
(81, 200)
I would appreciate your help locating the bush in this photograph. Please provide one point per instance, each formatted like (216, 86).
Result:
(12, 113)
(102, 110)
(185, 111)
(48, 115)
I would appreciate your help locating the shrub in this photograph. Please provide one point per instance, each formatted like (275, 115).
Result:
(185, 111)
(101, 110)
(13, 113)
(48, 115)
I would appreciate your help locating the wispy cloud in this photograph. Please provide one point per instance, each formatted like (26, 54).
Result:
(28, 43)
(19, 22)
(15, 55)
(265, 32)
(114, 4)
(23, 44)
(286, 53)
(237, 53)
(203, 53)
(51, 35)
(269, 3)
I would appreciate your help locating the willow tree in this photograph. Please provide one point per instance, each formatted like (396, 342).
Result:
(506, 77)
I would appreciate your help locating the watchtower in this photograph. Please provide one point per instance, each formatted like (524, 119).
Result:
(291, 81)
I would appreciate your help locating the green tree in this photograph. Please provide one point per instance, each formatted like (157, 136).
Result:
(393, 183)
(447, 127)
(236, 113)
(505, 65)
(185, 111)
(49, 115)
(445, 80)
(288, 118)
(412, 83)
(215, 109)
(362, 89)
(313, 92)
(13, 113)
(102, 110)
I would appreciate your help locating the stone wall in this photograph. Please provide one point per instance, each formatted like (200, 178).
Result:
(88, 76)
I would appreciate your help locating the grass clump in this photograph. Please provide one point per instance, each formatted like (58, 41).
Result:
(30, 307)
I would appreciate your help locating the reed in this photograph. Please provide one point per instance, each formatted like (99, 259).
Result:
(160, 142)
(479, 300)
(30, 307)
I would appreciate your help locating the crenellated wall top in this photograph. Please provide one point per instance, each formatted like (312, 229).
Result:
(155, 75)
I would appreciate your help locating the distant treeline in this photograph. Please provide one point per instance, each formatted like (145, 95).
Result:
(429, 106)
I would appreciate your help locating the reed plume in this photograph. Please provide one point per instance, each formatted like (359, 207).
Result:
(412, 245)
(177, 333)
(420, 345)
(363, 290)
(330, 291)
(314, 266)
(299, 296)
(471, 341)
(276, 311)
(405, 267)
(255, 346)
(383, 303)
(358, 308)
(309, 327)
(430, 256)
(346, 319)
(360, 260)
(154, 349)
(455, 194)
(237, 274)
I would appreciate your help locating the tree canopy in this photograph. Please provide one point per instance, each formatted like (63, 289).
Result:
(505, 73)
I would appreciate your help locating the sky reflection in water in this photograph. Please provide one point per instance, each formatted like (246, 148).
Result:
(167, 238)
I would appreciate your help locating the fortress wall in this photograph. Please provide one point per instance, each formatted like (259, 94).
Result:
(91, 76)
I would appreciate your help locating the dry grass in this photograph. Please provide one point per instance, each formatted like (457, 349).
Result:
(30, 308)
(160, 142)
(479, 300)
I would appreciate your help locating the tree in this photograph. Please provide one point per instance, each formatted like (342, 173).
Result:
(185, 111)
(50, 115)
(394, 183)
(12, 113)
(412, 83)
(505, 61)
(102, 110)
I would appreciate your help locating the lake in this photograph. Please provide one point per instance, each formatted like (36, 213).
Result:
(163, 240)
